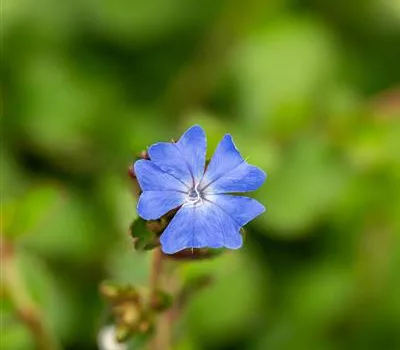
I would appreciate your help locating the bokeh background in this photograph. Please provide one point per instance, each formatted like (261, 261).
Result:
(310, 91)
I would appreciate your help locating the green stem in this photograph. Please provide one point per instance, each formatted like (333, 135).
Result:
(27, 310)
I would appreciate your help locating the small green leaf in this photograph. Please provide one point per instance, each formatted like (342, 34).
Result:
(143, 238)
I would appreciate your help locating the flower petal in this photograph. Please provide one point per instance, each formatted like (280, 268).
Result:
(229, 172)
(152, 178)
(154, 204)
(240, 209)
(199, 226)
(243, 178)
(169, 158)
(192, 144)
(226, 157)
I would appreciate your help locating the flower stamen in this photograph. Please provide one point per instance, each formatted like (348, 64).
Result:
(194, 196)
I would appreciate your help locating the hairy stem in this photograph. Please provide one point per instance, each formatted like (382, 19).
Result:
(161, 339)
(156, 272)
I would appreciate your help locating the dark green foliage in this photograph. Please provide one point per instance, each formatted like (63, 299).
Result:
(143, 238)
(309, 92)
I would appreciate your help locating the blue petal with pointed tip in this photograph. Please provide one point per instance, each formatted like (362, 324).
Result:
(243, 178)
(229, 172)
(154, 204)
(193, 145)
(152, 178)
(241, 209)
(225, 158)
(169, 158)
(199, 226)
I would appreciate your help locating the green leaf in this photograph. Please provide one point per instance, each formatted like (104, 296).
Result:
(306, 185)
(34, 208)
(264, 64)
(15, 336)
(69, 232)
(228, 306)
(143, 238)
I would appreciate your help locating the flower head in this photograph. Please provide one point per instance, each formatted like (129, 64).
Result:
(176, 177)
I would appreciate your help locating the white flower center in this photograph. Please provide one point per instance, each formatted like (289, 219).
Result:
(194, 196)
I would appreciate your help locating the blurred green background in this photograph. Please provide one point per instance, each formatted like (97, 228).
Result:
(310, 91)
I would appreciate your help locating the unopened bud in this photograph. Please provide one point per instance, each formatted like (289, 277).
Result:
(144, 327)
(109, 291)
(154, 226)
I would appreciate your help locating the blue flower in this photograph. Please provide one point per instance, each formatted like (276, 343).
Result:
(175, 176)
